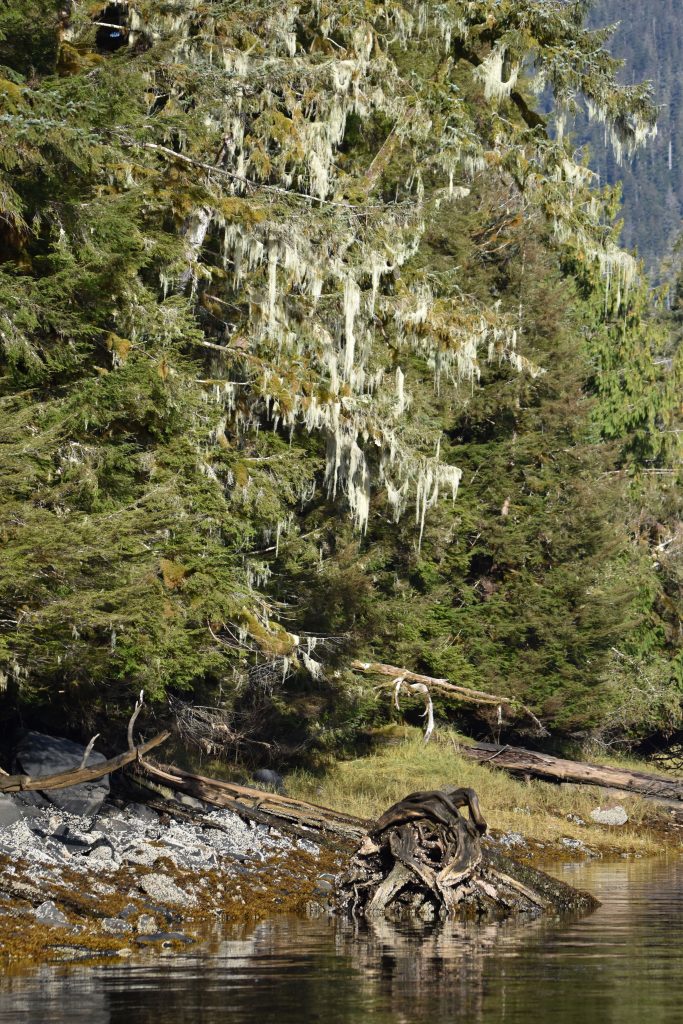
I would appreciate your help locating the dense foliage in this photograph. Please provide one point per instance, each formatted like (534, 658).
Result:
(273, 284)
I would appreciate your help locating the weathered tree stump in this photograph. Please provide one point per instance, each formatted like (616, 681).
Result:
(424, 860)
(417, 859)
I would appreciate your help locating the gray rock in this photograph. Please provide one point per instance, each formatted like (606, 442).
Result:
(575, 819)
(88, 844)
(190, 801)
(74, 837)
(241, 858)
(142, 854)
(104, 855)
(38, 754)
(169, 916)
(111, 826)
(163, 890)
(9, 812)
(127, 912)
(142, 813)
(30, 813)
(115, 926)
(33, 799)
(146, 925)
(511, 839)
(49, 913)
(610, 815)
(59, 854)
(267, 777)
(572, 844)
(197, 855)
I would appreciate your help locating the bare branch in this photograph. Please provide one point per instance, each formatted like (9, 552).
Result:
(401, 675)
(88, 751)
(429, 706)
(136, 711)
(62, 780)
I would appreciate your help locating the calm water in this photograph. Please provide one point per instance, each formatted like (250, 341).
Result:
(622, 964)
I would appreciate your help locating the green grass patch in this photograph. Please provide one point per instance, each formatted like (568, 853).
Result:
(538, 810)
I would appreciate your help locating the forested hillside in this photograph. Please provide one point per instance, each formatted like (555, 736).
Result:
(316, 343)
(649, 38)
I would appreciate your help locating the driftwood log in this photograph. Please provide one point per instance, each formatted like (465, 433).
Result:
(446, 688)
(75, 776)
(424, 860)
(319, 824)
(667, 790)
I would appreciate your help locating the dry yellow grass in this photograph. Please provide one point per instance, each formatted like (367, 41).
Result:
(537, 810)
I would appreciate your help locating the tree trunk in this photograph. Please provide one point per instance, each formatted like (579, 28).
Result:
(556, 769)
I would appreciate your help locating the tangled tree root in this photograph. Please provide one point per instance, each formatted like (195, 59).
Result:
(425, 860)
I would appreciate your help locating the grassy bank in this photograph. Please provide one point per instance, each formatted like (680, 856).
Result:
(541, 812)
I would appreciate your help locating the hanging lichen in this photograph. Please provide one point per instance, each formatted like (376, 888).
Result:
(218, 267)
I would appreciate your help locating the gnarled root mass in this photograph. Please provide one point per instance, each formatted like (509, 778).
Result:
(424, 860)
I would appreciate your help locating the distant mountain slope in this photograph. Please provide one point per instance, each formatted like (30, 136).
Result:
(650, 39)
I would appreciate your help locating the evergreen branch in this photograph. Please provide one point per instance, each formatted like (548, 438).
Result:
(531, 118)
(247, 182)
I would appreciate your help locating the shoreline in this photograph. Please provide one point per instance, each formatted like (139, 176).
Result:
(133, 879)
(136, 876)
(75, 888)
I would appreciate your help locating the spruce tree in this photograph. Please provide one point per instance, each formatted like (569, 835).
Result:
(218, 289)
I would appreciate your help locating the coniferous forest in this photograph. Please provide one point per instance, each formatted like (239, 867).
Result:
(317, 344)
(647, 38)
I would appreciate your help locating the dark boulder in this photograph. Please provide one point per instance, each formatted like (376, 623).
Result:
(267, 777)
(38, 754)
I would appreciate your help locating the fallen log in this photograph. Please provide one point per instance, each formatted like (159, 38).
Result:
(519, 761)
(258, 805)
(75, 776)
(464, 693)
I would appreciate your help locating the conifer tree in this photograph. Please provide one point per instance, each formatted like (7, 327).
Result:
(214, 297)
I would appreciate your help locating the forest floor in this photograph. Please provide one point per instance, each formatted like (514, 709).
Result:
(537, 821)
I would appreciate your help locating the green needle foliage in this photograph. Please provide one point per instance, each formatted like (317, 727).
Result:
(273, 283)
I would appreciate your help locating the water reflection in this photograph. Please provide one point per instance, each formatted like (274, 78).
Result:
(622, 964)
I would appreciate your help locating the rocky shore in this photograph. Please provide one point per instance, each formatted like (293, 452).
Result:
(128, 877)
(86, 874)
(83, 873)
(131, 877)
